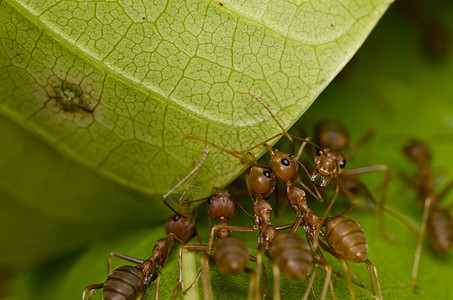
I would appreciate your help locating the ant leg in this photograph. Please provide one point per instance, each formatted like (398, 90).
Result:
(444, 192)
(259, 259)
(355, 277)
(369, 265)
(301, 148)
(276, 205)
(319, 256)
(159, 276)
(426, 210)
(193, 283)
(284, 227)
(91, 294)
(122, 256)
(327, 283)
(181, 278)
(310, 283)
(276, 281)
(348, 278)
(194, 173)
(206, 277)
(382, 168)
(296, 223)
(92, 288)
(252, 285)
(276, 121)
(265, 285)
(329, 207)
(351, 197)
(230, 227)
(360, 143)
(316, 193)
(234, 153)
(381, 206)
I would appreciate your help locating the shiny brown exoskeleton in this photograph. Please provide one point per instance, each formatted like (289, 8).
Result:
(292, 256)
(229, 254)
(221, 206)
(438, 220)
(344, 239)
(284, 166)
(329, 163)
(129, 282)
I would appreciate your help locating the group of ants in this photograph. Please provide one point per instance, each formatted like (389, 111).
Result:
(295, 257)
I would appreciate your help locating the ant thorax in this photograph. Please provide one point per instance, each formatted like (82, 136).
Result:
(296, 196)
(262, 211)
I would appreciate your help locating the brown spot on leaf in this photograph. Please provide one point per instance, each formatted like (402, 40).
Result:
(70, 97)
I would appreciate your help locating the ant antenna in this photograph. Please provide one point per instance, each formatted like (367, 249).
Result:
(229, 151)
(275, 119)
(194, 173)
(329, 207)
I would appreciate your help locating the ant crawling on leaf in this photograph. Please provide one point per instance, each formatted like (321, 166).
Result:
(130, 282)
(438, 220)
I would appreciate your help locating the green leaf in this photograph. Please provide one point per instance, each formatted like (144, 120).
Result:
(397, 88)
(115, 85)
(102, 93)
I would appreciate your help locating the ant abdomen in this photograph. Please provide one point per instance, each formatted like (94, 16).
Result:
(347, 239)
(331, 134)
(231, 255)
(292, 255)
(124, 283)
(440, 226)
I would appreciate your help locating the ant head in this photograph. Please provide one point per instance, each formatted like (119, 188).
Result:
(221, 205)
(182, 227)
(262, 181)
(283, 165)
(263, 210)
(331, 134)
(353, 185)
(328, 163)
(417, 152)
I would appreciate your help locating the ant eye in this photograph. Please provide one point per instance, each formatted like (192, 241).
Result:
(209, 200)
(267, 174)
(343, 164)
(285, 162)
(319, 152)
(176, 218)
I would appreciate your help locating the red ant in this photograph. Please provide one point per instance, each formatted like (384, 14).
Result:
(130, 282)
(438, 220)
